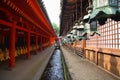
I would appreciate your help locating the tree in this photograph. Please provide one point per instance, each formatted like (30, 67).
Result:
(56, 28)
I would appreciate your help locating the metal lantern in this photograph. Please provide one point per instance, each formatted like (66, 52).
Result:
(76, 25)
(90, 27)
(102, 3)
(66, 39)
(93, 28)
(103, 9)
(63, 41)
(73, 38)
(86, 19)
(73, 32)
(69, 35)
(86, 29)
(70, 38)
(80, 29)
(113, 3)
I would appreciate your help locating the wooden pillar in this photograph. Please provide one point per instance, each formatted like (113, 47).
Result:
(12, 46)
(49, 41)
(96, 52)
(41, 43)
(36, 44)
(83, 46)
(45, 43)
(28, 45)
(2, 37)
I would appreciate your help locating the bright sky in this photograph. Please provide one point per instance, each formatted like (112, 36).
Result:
(53, 10)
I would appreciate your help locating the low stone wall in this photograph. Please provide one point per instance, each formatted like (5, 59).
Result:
(67, 75)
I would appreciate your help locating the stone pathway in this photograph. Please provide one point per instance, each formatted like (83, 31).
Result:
(81, 69)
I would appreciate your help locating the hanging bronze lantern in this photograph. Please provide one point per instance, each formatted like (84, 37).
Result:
(103, 9)
(86, 29)
(80, 31)
(93, 28)
(70, 38)
(74, 32)
(90, 27)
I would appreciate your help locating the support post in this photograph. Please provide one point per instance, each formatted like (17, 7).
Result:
(36, 44)
(28, 45)
(83, 47)
(49, 41)
(41, 43)
(12, 46)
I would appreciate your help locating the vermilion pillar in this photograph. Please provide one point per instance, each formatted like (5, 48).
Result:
(12, 46)
(28, 45)
(44, 43)
(49, 42)
(2, 37)
(41, 43)
(36, 44)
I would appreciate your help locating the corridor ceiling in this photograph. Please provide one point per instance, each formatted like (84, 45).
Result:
(71, 10)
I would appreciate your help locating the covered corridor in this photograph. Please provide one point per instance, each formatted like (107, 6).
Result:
(24, 28)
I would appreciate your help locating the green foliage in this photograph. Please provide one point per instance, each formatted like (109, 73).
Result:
(56, 28)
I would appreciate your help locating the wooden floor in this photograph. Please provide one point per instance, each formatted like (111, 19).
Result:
(25, 69)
